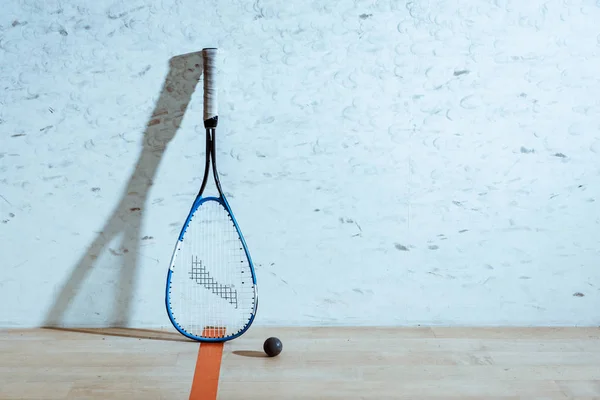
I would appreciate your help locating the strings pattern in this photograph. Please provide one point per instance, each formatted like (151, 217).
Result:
(211, 280)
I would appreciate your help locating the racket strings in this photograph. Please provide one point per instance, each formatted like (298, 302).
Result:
(212, 285)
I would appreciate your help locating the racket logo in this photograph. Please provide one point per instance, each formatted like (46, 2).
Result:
(202, 277)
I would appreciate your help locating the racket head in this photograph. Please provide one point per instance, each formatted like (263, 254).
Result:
(211, 291)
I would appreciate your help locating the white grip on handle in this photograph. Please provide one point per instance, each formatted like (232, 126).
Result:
(209, 56)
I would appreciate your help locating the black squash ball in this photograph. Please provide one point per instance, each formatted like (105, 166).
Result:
(272, 346)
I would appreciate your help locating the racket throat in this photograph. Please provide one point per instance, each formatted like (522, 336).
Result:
(211, 162)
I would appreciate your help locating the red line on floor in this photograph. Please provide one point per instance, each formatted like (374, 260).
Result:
(205, 384)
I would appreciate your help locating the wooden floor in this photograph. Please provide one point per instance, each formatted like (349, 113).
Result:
(316, 363)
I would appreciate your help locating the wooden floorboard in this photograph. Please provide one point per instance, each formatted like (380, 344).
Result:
(316, 363)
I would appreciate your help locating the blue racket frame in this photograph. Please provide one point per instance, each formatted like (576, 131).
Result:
(197, 203)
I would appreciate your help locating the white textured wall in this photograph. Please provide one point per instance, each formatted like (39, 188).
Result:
(390, 162)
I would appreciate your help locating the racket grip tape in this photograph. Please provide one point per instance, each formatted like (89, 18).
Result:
(211, 115)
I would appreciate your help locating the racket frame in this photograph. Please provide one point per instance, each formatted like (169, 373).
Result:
(210, 125)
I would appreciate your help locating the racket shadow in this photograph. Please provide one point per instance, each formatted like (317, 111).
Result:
(127, 333)
(126, 220)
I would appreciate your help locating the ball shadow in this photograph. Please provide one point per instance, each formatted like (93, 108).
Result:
(250, 353)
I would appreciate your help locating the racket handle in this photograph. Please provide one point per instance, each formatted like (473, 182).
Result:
(211, 114)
